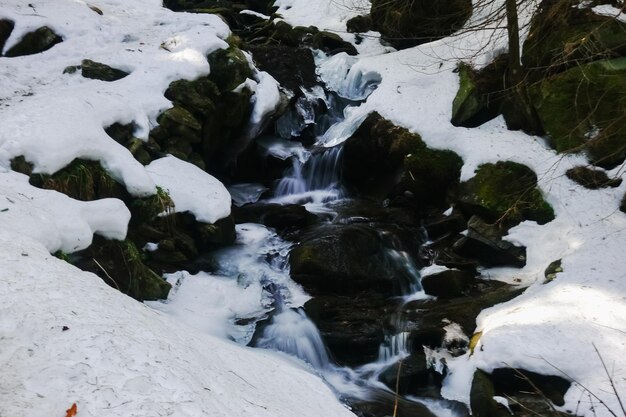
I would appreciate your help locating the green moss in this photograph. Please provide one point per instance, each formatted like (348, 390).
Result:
(197, 96)
(81, 180)
(563, 36)
(229, 68)
(505, 192)
(177, 115)
(584, 108)
(429, 174)
(467, 101)
(146, 209)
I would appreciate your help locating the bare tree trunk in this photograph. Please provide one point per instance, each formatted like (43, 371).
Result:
(517, 74)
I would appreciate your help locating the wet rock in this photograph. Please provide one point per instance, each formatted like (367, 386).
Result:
(351, 327)
(407, 23)
(359, 24)
(622, 205)
(99, 71)
(505, 192)
(278, 216)
(448, 284)
(431, 316)
(6, 27)
(35, 42)
(592, 124)
(292, 68)
(592, 178)
(412, 376)
(439, 225)
(383, 403)
(344, 260)
(484, 243)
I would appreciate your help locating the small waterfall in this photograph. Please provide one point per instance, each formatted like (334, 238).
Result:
(394, 346)
(317, 180)
(290, 331)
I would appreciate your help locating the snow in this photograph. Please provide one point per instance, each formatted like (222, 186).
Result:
(191, 189)
(552, 328)
(66, 337)
(54, 219)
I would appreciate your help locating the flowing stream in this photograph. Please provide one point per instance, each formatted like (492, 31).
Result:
(251, 293)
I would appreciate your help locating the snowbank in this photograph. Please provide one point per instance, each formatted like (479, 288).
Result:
(66, 337)
(191, 189)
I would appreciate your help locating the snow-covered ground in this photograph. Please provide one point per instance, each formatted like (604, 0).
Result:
(118, 357)
(552, 328)
(65, 336)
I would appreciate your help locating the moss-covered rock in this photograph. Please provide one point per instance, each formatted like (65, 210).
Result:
(563, 35)
(481, 93)
(82, 180)
(35, 42)
(584, 108)
(428, 174)
(100, 71)
(198, 96)
(6, 27)
(505, 192)
(407, 23)
(592, 178)
(552, 270)
(383, 159)
(229, 68)
(120, 264)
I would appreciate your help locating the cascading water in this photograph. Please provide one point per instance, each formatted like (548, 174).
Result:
(251, 291)
(317, 180)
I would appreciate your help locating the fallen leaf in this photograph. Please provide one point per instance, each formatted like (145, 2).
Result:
(71, 412)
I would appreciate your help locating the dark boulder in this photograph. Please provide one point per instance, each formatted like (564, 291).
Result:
(448, 284)
(510, 381)
(381, 159)
(484, 243)
(292, 68)
(481, 397)
(229, 68)
(505, 192)
(438, 225)
(280, 217)
(592, 178)
(35, 42)
(346, 259)
(351, 327)
(406, 23)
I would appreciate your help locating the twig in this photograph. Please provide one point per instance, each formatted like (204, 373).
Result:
(107, 274)
(395, 403)
(619, 400)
